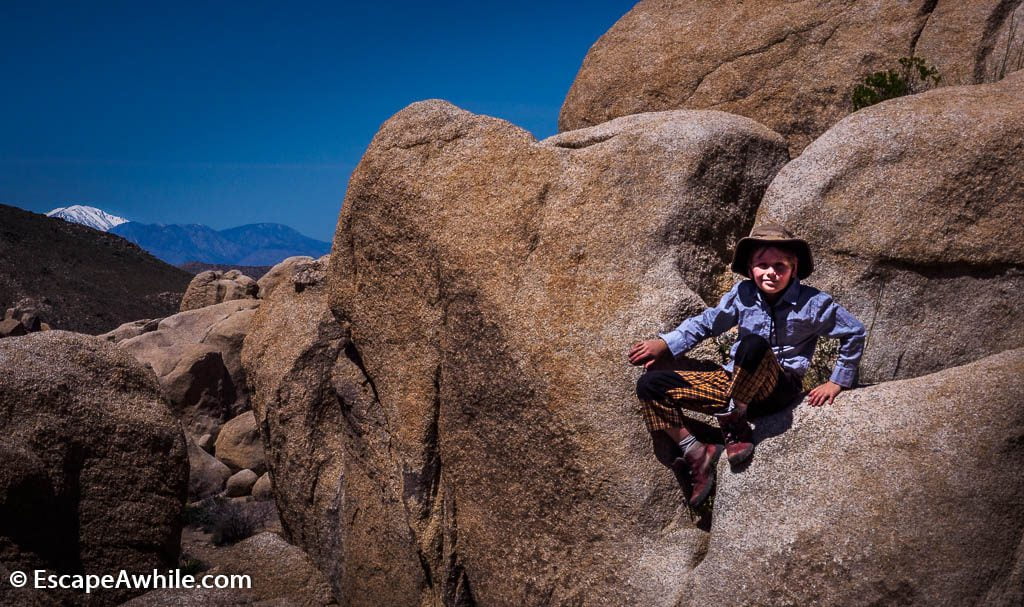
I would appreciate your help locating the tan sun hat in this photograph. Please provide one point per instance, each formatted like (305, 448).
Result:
(772, 234)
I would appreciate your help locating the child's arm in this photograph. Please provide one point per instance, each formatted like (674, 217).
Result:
(836, 322)
(709, 323)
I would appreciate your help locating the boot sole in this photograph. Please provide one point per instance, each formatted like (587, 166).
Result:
(697, 500)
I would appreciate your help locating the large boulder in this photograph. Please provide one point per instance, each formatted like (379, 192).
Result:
(196, 355)
(214, 287)
(315, 406)
(489, 285)
(905, 493)
(912, 208)
(94, 469)
(789, 65)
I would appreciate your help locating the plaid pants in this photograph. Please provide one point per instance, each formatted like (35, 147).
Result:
(757, 379)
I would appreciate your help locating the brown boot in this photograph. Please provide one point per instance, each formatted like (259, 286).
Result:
(699, 464)
(739, 440)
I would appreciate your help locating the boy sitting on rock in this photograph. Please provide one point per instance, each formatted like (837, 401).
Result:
(780, 321)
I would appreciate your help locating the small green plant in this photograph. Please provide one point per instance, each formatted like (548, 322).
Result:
(913, 76)
(724, 343)
(191, 566)
(824, 359)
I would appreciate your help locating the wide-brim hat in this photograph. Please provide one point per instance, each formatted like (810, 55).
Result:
(772, 234)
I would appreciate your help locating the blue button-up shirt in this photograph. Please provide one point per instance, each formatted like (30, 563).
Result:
(801, 315)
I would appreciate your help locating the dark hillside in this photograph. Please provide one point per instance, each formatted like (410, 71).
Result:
(81, 279)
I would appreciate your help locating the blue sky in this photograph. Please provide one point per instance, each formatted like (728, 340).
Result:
(227, 113)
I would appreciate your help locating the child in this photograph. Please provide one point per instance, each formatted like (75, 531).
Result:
(780, 321)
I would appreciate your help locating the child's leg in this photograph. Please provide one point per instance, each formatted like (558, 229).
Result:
(755, 376)
(663, 394)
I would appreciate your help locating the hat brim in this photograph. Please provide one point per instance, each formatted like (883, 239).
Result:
(746, 246)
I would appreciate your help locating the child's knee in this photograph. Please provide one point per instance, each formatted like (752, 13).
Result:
(646, 386)
(753, 346)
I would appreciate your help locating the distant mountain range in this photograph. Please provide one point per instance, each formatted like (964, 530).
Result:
(258, 244)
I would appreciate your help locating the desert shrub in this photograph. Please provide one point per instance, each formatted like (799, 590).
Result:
(913, 76)
(228, 520)
(822, 363)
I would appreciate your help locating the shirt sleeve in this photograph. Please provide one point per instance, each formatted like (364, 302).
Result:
(709, 323)
(836, 322)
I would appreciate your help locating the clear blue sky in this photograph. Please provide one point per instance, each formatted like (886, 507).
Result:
(227, 113)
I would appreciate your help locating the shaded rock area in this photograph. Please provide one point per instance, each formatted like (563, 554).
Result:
(214, 287)
(95, 469)
(207, 474)
(789, 65)
(81, 279)
(280, 574)
(912, 208)
(488, 282)
(196, 358)
(905, 493)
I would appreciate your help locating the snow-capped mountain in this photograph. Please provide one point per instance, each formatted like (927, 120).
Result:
(88, 216)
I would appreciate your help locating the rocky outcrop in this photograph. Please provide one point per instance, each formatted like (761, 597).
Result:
(905, 493)
(21, 321)
(94, 472)
(213, 287)
(789, 65)
(487, 284)
(912, 209)
(196, 357)
(282, 273)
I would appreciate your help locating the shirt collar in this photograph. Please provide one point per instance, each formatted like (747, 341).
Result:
(790, 295)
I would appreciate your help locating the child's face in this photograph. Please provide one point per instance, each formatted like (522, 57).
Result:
(772, 269)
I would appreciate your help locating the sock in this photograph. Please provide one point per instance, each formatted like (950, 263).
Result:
(688, 443)
(728, 410)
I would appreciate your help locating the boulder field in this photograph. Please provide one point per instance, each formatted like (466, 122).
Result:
(789, 65)
(450, 419)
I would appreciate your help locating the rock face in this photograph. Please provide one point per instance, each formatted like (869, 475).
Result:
(94, 469)
(292, 356)
(906, 493)
(490, 284)
(789, 65)
(196, 357)
(912, 209)
(213, 287)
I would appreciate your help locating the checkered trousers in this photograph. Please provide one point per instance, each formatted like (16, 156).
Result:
(664, 393)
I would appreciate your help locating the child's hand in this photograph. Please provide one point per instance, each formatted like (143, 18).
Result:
(825, 392)
(647, 352)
